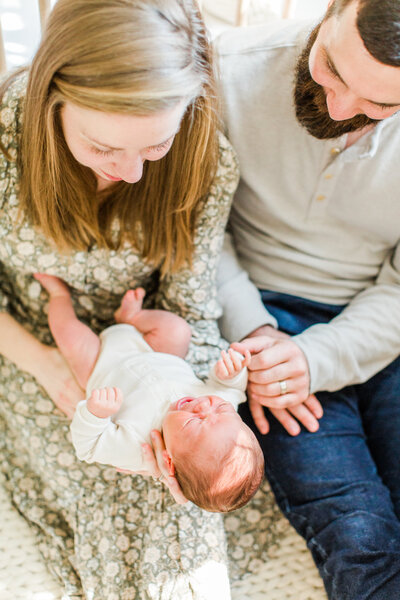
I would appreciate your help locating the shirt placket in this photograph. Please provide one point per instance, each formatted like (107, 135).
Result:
(326, 181)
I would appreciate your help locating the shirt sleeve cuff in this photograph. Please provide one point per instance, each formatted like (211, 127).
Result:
(88, 417)
(243, 310)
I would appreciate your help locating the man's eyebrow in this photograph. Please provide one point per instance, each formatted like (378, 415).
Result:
(334, 70)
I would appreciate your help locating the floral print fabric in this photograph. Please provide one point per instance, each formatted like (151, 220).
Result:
(104, 534)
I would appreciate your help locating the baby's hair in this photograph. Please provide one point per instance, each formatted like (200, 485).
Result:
(227, 484)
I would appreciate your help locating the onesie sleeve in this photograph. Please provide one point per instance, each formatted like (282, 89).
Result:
(103, 441)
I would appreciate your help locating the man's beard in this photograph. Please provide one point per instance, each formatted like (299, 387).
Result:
(310, 102)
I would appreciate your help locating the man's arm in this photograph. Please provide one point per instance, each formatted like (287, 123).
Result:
(243, 309)
(243, 314)
(362, 340)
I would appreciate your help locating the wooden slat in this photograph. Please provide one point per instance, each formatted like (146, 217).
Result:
(243, 7)
(44, 10)
(242, 12)
(3, 66)
(289, 8)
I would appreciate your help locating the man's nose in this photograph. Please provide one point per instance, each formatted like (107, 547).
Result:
(342, 105)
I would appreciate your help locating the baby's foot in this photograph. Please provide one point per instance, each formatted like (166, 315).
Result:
(131, 305)
(53, 285)
(105, 402)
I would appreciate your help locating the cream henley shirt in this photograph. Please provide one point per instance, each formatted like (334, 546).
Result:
(310, 218)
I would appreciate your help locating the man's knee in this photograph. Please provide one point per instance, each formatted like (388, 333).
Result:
(358, 555)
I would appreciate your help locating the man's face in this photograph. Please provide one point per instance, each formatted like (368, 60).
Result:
(339, 86)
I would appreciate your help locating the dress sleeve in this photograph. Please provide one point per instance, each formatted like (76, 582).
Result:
(192, 292)
(11, 106)
(362, 340)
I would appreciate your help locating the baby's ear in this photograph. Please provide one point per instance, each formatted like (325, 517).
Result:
(168, 463)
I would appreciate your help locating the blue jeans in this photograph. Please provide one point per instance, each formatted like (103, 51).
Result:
(340, 487)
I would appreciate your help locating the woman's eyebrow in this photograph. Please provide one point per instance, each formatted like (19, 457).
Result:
(94, 141)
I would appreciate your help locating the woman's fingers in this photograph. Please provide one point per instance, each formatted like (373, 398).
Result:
(175, 490)
(150, 461)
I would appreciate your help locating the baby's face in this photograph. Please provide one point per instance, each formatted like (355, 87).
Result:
(201, 423)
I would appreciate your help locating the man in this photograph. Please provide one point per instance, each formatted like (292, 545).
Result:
(316, 224)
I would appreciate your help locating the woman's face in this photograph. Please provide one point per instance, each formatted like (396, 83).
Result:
(115, 145)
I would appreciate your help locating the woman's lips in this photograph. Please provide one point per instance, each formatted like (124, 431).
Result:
(111, 176)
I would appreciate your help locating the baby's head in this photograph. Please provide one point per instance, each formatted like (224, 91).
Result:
(219, 463)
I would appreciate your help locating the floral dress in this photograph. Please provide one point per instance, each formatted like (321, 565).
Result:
(104, 534)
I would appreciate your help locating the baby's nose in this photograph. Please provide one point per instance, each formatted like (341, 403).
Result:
(203, 405)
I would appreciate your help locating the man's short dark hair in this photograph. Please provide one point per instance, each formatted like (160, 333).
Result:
(378, 23)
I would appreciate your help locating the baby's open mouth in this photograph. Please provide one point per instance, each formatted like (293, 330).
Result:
(183, 401)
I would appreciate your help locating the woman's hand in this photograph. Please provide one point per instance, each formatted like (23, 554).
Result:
(55, 376)
(154, 466)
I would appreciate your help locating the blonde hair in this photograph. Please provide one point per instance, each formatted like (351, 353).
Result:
(125, 56)
(226, 483)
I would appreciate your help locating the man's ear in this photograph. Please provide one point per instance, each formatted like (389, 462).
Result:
(168, 463)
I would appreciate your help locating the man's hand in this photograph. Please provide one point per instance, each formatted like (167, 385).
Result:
(278, 364)
(278, 371)
(269, 331)
(306, 413)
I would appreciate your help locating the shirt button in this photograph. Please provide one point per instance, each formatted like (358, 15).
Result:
(335, 151)
(321, 197)
(328, 176)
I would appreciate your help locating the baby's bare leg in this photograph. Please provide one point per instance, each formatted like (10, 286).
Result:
(77, 342)
(162, 330)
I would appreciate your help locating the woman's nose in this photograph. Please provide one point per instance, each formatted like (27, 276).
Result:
(130, 170)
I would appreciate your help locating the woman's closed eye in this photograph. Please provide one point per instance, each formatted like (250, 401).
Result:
(161, 147)
(101, 152)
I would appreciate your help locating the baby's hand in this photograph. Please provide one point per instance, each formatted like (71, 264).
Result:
(105, 402)
(231, 363)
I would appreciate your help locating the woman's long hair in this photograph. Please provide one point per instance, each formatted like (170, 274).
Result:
(123, 56)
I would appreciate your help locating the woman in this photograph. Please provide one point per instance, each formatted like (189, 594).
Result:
(112, 176)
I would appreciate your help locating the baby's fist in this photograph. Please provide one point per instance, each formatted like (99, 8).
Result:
(105, 402)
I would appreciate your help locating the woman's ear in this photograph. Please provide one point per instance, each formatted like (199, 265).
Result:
(168, 463)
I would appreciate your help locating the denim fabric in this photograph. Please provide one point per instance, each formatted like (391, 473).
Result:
(340, 486)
